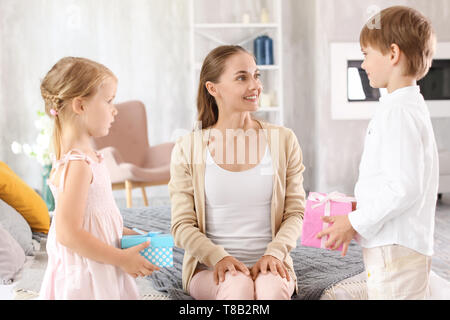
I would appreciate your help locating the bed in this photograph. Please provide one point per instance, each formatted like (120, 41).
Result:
(322, 274)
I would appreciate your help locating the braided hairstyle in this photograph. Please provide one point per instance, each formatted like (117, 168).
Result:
(69, 78)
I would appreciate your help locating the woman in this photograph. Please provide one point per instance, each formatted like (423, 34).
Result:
(237, 208)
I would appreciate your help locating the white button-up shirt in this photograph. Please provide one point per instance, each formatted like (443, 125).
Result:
(398, 175)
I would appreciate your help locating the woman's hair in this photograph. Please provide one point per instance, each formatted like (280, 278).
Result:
(212, 69)
(69, 78)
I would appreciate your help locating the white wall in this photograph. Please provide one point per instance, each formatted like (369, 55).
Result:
(339, 143)
(146, 43)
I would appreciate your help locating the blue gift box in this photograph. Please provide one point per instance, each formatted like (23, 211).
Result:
(160, 250)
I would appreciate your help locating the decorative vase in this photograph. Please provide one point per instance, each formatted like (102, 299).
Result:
(263, 50)
(46, 192)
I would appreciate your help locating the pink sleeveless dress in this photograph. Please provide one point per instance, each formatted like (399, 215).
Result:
(71, 276)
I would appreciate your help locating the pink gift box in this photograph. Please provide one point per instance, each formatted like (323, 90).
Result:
(317, 206)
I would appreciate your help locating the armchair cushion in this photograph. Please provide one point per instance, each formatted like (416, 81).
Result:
(121, 171)
(17, 227)
(12, 257)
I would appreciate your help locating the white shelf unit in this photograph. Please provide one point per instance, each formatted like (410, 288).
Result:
(234, 25)
(219, 22)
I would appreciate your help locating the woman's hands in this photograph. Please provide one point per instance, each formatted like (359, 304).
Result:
(228, 263)
(264, 264)
(270, 263)
(134, 263)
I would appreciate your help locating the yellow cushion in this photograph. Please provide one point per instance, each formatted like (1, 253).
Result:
(15, 192)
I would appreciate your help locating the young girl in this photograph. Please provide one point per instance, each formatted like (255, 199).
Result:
(84, 256)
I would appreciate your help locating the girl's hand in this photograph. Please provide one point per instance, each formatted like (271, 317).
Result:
(129, 232)
(272, 263)
(228, 263)
(134, 263)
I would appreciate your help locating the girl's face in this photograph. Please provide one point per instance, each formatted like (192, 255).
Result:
(377, 66)
(239, 85)
(100, 111)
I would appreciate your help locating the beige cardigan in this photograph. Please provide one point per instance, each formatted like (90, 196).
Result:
(187, 194)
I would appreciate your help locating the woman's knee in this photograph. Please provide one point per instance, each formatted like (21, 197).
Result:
(273, 287)
(236, 287)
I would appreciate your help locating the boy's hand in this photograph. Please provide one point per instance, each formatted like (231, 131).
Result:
(340, 232)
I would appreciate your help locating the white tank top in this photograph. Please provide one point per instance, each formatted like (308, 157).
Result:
(238, 208)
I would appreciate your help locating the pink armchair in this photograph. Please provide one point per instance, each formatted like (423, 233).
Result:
(131, 161)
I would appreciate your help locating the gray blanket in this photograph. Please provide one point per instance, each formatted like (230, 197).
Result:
(316, 269)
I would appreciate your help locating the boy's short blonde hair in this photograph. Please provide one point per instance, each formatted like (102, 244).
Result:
(407, 28)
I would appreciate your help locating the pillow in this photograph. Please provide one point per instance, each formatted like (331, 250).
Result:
(15, 192)
(17, 227)
(12, 257)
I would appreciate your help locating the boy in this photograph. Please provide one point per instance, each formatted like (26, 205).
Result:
(398, 174)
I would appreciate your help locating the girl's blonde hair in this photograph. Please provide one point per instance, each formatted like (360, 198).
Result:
(69, 78)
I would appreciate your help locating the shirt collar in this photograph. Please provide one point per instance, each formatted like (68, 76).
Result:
(401, 94)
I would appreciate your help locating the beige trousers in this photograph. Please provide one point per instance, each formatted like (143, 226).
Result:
(395, 272)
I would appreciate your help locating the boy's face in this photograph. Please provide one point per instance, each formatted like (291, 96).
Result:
(377, 65)
(100, 110)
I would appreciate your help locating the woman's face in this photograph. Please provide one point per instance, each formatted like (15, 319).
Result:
(239, 86)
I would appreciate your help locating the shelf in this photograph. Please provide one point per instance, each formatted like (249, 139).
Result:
(207, 34)
(235, 25)
(268, 67)
(237, 35)
(198, 66)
